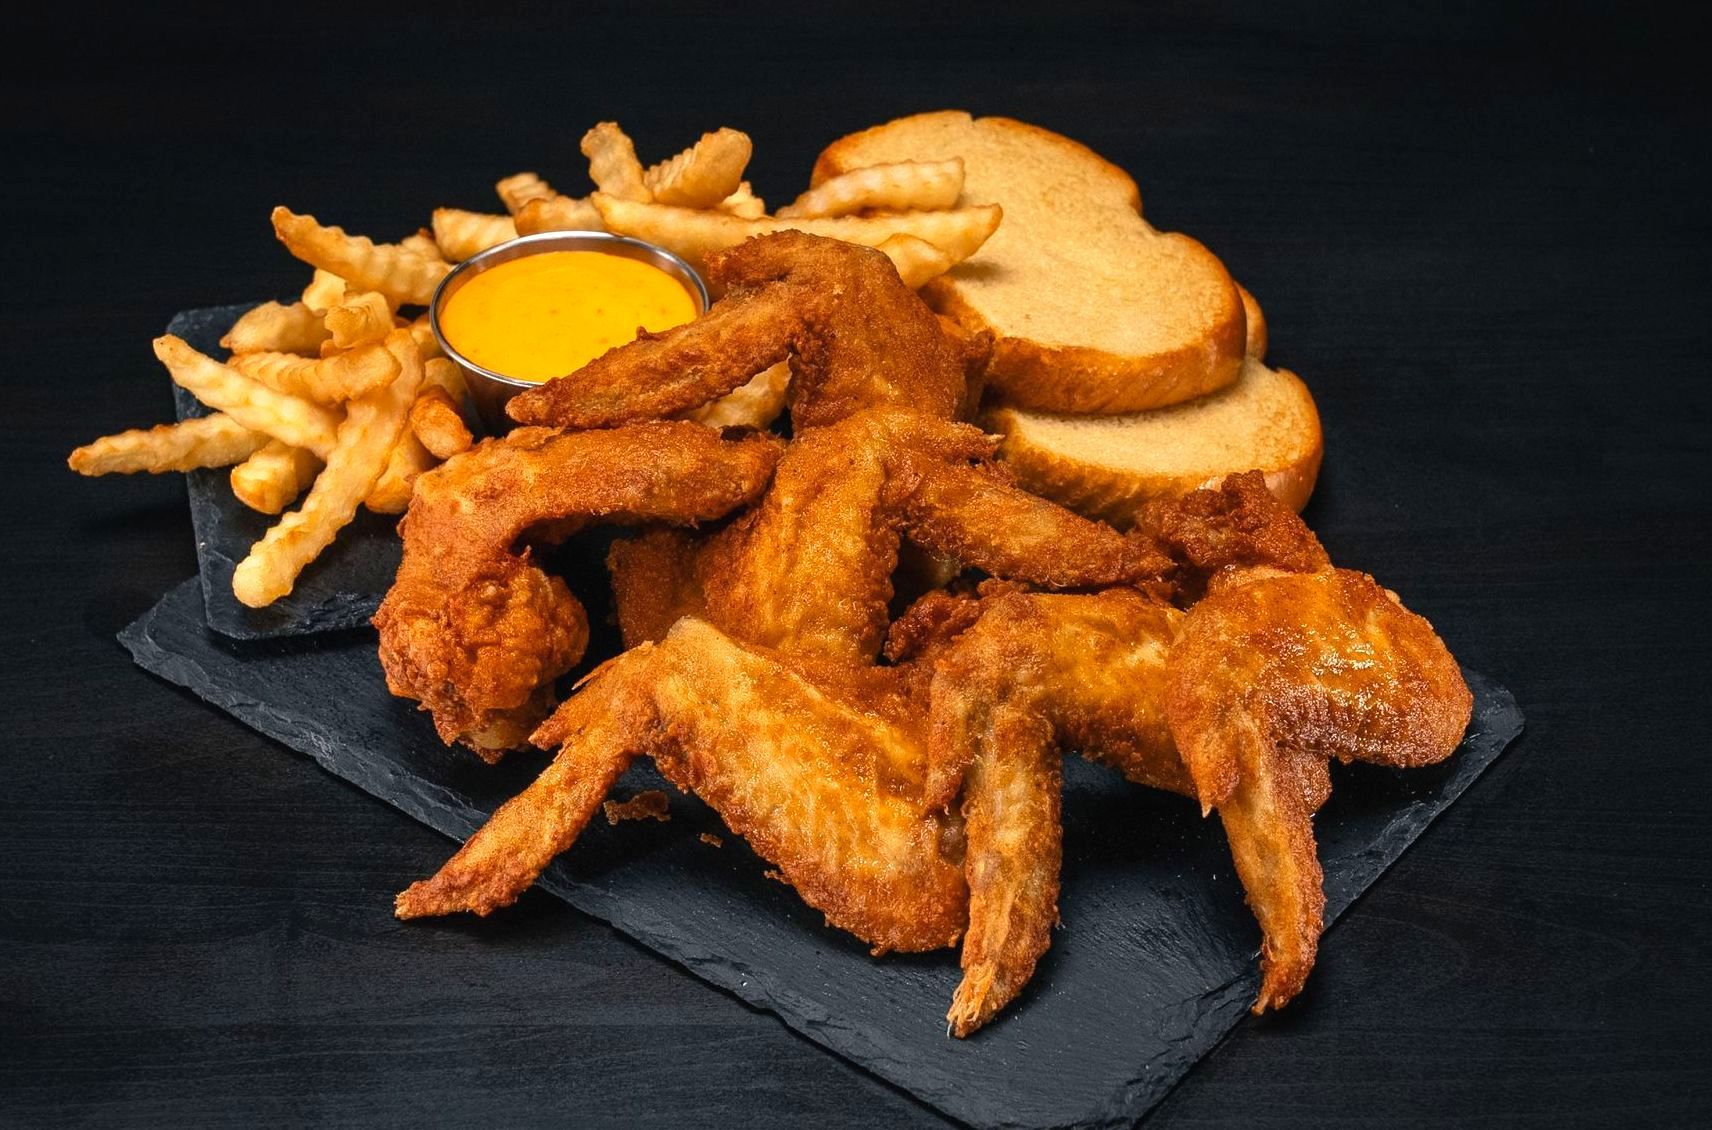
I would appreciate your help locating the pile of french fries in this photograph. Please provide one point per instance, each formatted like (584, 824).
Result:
(340, 395)
(336, 394)
(697, 202)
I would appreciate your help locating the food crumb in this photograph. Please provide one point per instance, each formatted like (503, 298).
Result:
(712, 840)
(650, 805)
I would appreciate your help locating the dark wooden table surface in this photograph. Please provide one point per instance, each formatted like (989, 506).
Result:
(1480, 235)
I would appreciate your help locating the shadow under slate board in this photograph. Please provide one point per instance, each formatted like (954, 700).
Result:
(340, 589)
(1156, 960)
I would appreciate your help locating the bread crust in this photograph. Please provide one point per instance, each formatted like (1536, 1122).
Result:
(1059, 376)
(1078, 379)
(1116, 494)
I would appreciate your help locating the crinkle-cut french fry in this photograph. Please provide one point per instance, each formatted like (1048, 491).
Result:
(329, 380)
(519, 189)
(360, 318)
(435, 420)
(297, 421)
(694, 235)
(421, 242)
(916, 259)
(612, 162)
(901, 187)
(408, 459)
(427, 345)
(365, 440)
(400, 275)
(744, 203)
(753, 405)
(558, 213)
(461, 234)
(272, 478)
(275, 328)
(443, 373)
(207, 441)
(704, 174)
(325, 291)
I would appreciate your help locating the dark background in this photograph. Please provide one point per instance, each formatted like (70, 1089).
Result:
(1479, 233)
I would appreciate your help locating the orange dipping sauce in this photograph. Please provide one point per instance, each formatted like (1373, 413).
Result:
(548, 314)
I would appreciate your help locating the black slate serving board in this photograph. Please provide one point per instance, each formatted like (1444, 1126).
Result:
(340, 589)
(1154, 964)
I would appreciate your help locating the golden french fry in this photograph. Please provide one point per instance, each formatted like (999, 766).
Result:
(916, 259)
(443, 373)
(422, 243)
(744, 203)
(461, 234)
(329, 380)
(272, 478)
(391, 492)
(208, 441)
(612, 162)
(702, 175)
(694, 235)
(325, 291)
(360, 318)
(427, 345)
(274, 328)
(299, 422)
(902, 187)
(520, 188)
(558, 213)
(435, 420)
(365, 440)
(754, 405)
(402, 276)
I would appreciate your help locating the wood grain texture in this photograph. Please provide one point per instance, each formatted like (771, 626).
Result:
(1477, 233)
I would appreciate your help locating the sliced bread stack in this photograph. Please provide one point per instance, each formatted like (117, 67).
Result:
(1128, 363)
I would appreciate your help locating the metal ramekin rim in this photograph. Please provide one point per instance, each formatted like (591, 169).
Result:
(696, 285)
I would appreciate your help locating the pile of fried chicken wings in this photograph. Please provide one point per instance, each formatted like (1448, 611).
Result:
(903, 775)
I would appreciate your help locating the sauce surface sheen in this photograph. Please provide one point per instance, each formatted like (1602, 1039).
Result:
(549, 314)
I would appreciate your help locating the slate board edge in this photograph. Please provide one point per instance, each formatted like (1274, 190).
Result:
(943, 1091)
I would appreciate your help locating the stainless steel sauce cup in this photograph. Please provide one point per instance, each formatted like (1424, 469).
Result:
(490, 391)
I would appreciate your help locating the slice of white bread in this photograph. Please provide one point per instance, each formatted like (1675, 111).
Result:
(1092, 308)
(1109, 466)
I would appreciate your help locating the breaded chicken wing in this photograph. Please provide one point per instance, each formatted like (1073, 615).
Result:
(823, 781)
(1275, 673)
(472, 627)
(857, 338)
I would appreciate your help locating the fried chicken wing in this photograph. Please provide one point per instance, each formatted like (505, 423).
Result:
(1273, 674)
(824, 785)
(857, 338)
(1037, 673)
(474, 629)
(808, 571)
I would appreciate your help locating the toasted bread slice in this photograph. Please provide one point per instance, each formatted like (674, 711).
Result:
(1092, 309)
(1109, 466)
